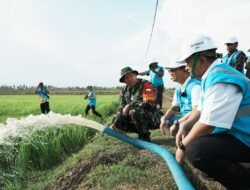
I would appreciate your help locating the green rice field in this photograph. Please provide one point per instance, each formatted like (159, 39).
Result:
(37, 149)
(18, 106)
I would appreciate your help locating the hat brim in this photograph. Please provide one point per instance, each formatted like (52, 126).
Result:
(134, 71)
(176, 66)
(230, 43)
(182, 59)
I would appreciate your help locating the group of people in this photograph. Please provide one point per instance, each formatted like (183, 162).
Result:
(43, 92)
(210, 112)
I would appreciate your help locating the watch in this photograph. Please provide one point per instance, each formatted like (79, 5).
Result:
(181, 146)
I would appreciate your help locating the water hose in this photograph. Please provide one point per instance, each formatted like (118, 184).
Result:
(180, 178)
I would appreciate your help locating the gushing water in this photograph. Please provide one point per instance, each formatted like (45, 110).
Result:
(24, 127)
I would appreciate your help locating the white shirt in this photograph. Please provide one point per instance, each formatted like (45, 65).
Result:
(195, 94)
(221, 103)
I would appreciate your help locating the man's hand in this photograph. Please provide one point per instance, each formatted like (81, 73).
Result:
(180, 136)
(179, 155)
(162, 125)
(174, 129)
(125, 110)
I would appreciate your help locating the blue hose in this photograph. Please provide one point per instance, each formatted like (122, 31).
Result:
(180, 178)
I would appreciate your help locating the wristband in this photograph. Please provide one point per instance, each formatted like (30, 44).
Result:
(181, 146)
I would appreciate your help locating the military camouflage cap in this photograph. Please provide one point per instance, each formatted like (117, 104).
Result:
(125, 71)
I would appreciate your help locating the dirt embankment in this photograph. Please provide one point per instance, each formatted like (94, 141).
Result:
(76, 175)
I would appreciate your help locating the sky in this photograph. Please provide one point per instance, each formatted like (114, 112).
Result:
(78, 43)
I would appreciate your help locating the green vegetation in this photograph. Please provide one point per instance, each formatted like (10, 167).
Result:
(22, 156)
(28, 90)
(44, 149)
(18, 106)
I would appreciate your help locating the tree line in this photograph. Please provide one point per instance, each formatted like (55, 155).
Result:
(24, 89)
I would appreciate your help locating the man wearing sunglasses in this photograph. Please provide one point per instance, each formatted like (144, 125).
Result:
(220, 140)
(186, 98)
(235, 58)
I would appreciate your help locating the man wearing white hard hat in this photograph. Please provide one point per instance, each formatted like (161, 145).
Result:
(235, 58)
(247, 67)
(186, 98)
(220, 139)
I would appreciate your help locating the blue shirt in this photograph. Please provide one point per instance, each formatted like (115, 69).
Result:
(43, 93)
(91, 98)
(156, 80)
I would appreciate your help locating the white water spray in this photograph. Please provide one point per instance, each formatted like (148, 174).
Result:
(26, 126)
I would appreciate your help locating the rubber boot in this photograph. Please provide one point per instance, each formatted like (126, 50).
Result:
(145, 136)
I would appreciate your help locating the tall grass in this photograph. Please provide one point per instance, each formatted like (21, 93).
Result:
(45, 147)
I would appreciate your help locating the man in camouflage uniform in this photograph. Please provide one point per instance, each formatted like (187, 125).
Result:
(134, 114)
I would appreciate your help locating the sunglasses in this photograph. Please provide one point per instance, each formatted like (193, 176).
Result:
(229, 44)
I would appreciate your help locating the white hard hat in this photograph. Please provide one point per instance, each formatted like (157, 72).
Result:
(174, 64)
(197, 44)
(231, 40)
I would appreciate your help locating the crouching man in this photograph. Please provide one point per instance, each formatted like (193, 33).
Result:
(138, 112)
(220, 139)
(186, 98)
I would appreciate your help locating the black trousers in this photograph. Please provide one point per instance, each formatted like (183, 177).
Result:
(159, 95)
(45, 107)
(93, 111)
(218, 155)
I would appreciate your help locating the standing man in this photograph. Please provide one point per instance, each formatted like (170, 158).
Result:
(186, 98)
(91, 96)
(156, 74)
(247, 67)
(42, 91)
(235, 58)
(137, 112)
(220, 140)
